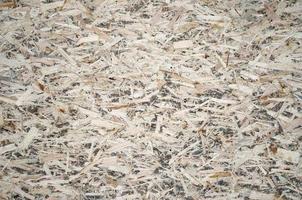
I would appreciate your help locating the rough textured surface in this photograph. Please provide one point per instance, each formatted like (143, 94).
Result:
(148, 99)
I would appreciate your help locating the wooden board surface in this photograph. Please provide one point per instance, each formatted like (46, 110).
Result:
(147, 99)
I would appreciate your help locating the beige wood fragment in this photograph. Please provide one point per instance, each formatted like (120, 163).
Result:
(1, 120)
(91, 38)
(52, 5)
(67, 57)
(183, 44)
(28, 138)
(259, 195)
(8, 100)
(9, 4)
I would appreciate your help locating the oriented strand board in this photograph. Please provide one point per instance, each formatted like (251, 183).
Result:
(139, 99)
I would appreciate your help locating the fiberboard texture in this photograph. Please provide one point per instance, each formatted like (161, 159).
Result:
(141, 99)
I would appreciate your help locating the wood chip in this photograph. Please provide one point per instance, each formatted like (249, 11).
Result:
(183, 44)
